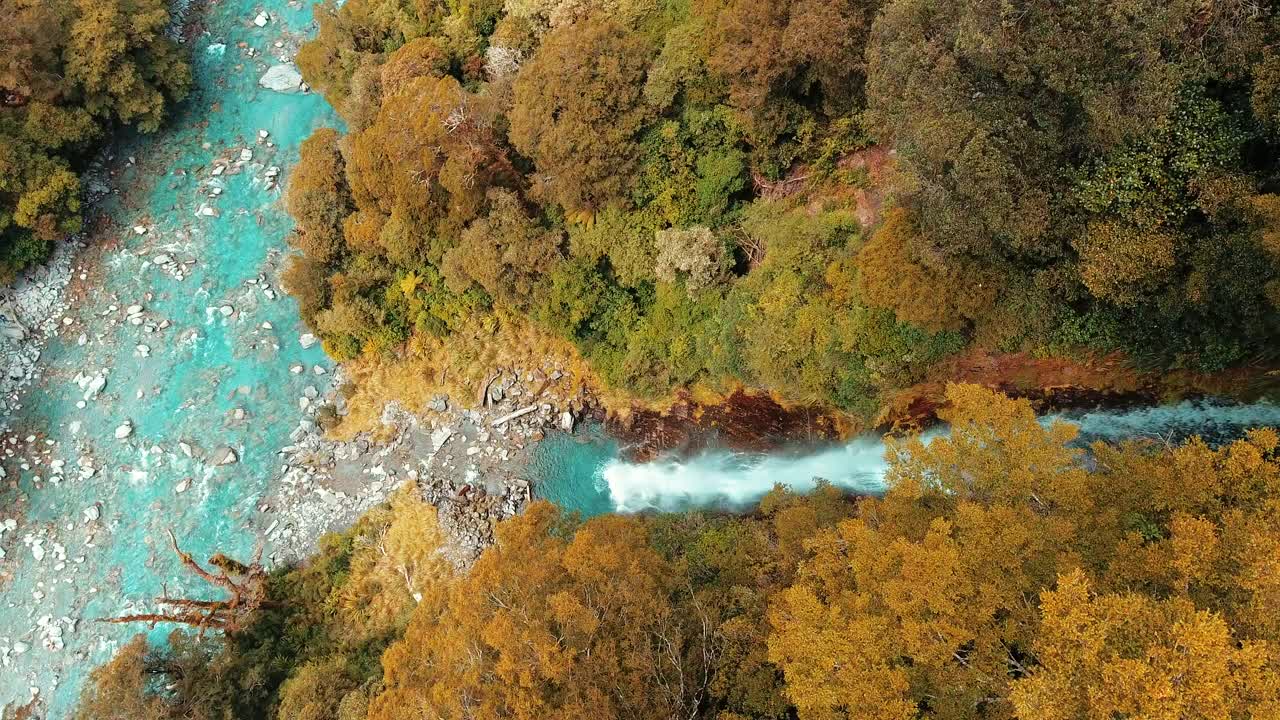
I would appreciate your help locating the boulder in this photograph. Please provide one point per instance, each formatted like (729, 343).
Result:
(439, 438)
(225, 456)
(283, 78)
(566, 421)
(124, 430)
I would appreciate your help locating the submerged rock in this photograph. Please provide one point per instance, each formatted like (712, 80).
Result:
(283, 78)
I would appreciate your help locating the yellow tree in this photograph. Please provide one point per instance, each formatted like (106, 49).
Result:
(546, 627)
(1125, 655)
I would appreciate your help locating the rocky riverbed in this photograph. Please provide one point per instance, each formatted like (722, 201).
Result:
(467, 461)
(154, 386)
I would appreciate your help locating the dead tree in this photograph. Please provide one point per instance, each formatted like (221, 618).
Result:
(247, 585)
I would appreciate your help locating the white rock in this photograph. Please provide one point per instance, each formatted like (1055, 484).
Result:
(264, 134)
(283, 78)
(144, 351)
(94, 386)
(226, 310)
(161, 259)
(439, 437)
(246, 155)
(225, 456)
(182, 485)
(134, 310)
(139, 229)
(185, 448)
(306, 340)
(218, 170)
(124, 430)
(261, 20)
(92, 513)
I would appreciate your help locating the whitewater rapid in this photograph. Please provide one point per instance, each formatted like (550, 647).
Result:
(724, 479)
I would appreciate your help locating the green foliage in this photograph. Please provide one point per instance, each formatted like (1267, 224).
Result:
(1086, 150)
(1149, 181)
(1061, 179)
(692, 169)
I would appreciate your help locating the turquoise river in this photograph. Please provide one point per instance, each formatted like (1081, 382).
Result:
(137, 404)
(215, 355)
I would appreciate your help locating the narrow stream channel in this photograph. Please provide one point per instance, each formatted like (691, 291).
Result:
(585, 473)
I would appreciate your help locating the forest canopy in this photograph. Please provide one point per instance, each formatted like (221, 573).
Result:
(1000, 577)
(821, 198)
(71, 72)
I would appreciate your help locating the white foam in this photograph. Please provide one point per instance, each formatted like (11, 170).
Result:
(723, 479)
(735, 480)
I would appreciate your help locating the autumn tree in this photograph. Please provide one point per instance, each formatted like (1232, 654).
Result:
(579, 110)
(783, 60)
(1132, 655)
(123, 64)
(940, 296)
(506, 252)
(71, 72)
(549, 627)
(426, 163)
(318, 198)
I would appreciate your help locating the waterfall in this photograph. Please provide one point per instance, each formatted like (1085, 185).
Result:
(736, 480)
(590, 477)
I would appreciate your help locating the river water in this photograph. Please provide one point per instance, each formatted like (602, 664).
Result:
(585, 473)
(186, 386)
(92, 545)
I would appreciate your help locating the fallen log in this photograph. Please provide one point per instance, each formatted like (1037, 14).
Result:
(512, 416)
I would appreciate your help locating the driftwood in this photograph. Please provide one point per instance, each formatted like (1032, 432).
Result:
(483, 398)
(246, 585)
(512, 416)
